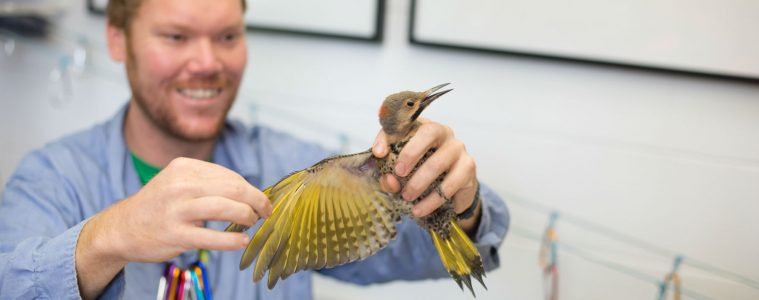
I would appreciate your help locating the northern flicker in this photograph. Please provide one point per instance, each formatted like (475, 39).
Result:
(334, 212)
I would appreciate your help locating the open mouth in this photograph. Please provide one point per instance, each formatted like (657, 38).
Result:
(203, 93)
(429, 98)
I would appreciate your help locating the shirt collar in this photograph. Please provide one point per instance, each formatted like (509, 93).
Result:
(234, 150)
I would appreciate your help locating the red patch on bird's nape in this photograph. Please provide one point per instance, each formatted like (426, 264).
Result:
(383, 112)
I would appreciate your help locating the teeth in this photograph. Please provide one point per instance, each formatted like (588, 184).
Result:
(200, 93)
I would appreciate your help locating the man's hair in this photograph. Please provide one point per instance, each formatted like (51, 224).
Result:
(121, 12)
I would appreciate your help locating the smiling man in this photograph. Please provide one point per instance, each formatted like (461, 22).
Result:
(108, 211)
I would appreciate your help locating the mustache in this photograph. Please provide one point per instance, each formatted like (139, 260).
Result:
(216, 81)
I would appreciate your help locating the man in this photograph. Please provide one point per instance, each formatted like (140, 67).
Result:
(76, 220)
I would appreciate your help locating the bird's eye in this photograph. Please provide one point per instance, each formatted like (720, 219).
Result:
(410, 103)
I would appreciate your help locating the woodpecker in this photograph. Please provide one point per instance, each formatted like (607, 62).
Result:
(334, 212)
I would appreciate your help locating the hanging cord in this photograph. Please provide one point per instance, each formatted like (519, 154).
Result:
(591, 257)
(636, 243)
(672, 278)
(547, 258)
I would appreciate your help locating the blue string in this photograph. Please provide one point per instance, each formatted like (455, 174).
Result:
(610, 265)
(664, 285)
(640, 244)
(551, 226)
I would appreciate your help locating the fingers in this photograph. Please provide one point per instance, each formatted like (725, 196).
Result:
(217, 209)
(459, 182)
(450, 158)
(380, 145)
(458, 185)
(255, 198)
(200, 179)
(438, 163)
(233, 186)
(204, 238)
(429, 135)
(427, 205)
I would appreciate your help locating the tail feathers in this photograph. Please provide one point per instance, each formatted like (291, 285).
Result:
(460, 257)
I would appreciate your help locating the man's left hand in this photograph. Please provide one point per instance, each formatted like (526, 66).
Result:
(460, 183)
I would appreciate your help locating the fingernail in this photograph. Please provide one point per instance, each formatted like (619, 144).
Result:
(378, 148)
(407, 196)
(245, 240)
(400, 169)
(416, 211)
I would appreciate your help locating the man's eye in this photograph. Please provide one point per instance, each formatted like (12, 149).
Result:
(175, 37)
(229, 37)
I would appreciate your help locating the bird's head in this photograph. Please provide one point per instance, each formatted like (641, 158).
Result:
(399, 111)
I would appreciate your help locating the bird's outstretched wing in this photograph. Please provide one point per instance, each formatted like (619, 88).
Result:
(329, 214)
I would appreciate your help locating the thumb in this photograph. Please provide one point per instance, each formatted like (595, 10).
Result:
(379, 149)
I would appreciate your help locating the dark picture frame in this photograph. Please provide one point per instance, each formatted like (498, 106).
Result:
(415, 40)
(376, 36)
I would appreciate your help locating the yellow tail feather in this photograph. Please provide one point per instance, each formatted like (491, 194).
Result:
(459, 256)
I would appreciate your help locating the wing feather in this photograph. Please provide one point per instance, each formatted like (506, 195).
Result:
(322, 229)
(353, 223)
(312, 239)
(332, 243)
(362, 229)
(300, 249)
(327, 215)
(278, 234)
(288, 255)
(350, 223)
(263, 233)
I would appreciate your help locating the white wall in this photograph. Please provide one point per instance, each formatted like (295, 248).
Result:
(715, 36)
(668, 159)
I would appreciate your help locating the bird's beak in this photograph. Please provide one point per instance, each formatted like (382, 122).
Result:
(431, 96)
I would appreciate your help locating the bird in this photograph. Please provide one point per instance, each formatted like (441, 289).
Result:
(334, 212)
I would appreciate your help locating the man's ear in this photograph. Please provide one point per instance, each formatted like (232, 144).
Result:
(116, 42)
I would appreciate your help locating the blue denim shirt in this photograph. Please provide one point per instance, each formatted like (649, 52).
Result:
(57, 188)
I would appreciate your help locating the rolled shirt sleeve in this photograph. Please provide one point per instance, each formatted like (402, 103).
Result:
(39, 224)
(38, 244)
(494, 223)
(41, 267)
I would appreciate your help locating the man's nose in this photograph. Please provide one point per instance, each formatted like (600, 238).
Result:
(205, 59)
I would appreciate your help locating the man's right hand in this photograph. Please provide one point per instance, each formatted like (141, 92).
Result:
(165, 218)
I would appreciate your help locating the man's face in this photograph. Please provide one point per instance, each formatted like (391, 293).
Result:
(185, 60)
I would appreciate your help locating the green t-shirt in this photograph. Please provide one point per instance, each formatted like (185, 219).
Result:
(144, 170)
